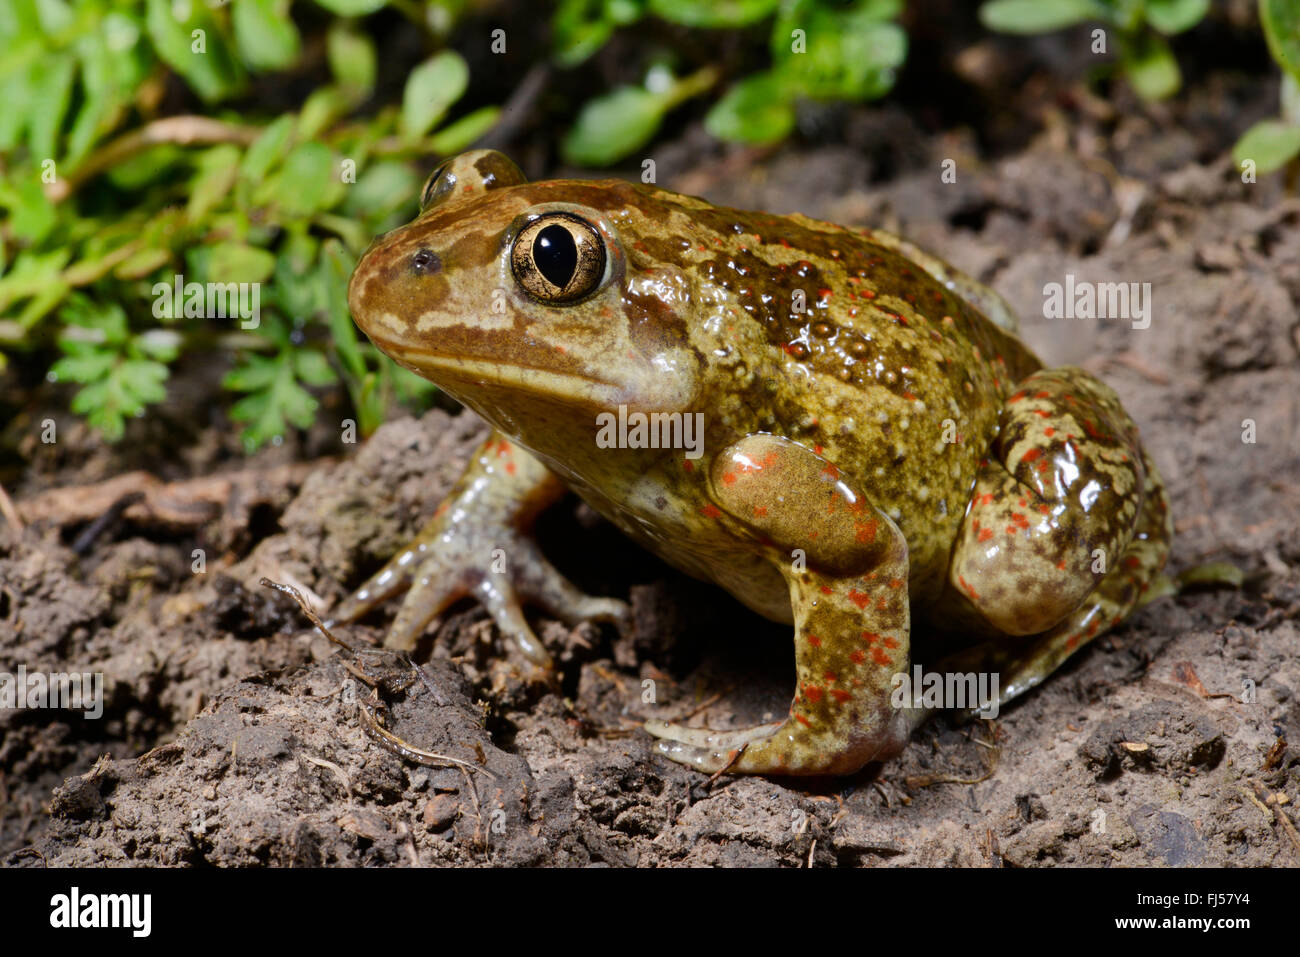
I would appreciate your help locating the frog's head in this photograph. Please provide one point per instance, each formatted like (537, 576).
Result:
(519, 299)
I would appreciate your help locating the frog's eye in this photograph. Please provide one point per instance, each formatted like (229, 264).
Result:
(558, 258)
(440, 182)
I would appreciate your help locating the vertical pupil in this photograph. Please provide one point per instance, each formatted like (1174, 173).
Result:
(556, 255)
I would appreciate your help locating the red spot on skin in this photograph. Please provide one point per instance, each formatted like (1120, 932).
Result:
(865, 531)
(909, 396)
(814, 641)
(1072, 642)
(688, 465)
(510, 468)
(966, 585)
(986, 498)
(896, 583)
(1060, 566)
(1011, 530)
(861, 599)
(1020, 520)
(831, 472)
(891, 642)
(826, 589)
(882, 604)
(830, 677)
(1132, 561)
(867, 294)
(760, 511)
(1046, 510)
(879, 657)
(1043, 466)
(857, 657)
(729, 478)
(1031, 455)
(840, 695)
(802, 720)
(870, 637)
(1049, 431)
(1042, 395)
(818, 449)
(813, 693)
(823, 293)
(710, 511)
(986, 534)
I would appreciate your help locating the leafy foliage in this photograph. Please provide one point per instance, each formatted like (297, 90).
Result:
(103, 195)
(821, 50)
(1140, 26)
(1272, 144)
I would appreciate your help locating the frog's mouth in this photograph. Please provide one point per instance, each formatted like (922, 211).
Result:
(467, 377)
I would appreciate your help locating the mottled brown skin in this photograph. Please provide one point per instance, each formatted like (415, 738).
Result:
(875, 439)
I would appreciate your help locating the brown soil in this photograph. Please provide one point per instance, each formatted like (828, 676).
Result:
(231, 732)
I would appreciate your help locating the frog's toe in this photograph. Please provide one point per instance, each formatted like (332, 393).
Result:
(703, 749)
(704, 738)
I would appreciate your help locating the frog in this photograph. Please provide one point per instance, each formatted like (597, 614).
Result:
(839, 429)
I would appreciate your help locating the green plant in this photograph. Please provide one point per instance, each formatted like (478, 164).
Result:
(1141, 26)
(1273, 143)
(104, 195)
(821, 50)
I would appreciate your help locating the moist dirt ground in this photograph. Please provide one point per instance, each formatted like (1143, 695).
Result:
(232, 734)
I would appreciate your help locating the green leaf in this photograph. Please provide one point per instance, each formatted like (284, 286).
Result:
(1281, 22)
(614, 125)
(268, 149)
(322, 108)
(381, 189)
(218, 169)
(87, 367)
(1175, 16)
(212, 73)
(1151, 68)
(457, 136)
(142, 263)
(715, 13)
(237, 262)
(576, 34)
(352, 8)
(265, 35)
(33, 216)
(1039, 16)
(313, 368)
(50, 95)
(352, 59)
(755, 110)
(309, 180)
(848, 57)
(1271, 144)
(431, 89)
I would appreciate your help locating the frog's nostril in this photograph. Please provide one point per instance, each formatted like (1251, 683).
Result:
(425, 262)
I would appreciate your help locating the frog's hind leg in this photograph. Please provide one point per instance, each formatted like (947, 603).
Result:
(1054, 506)
(1020, 664)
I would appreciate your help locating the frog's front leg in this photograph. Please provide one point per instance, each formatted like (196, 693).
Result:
(479, 543)
(845, 563)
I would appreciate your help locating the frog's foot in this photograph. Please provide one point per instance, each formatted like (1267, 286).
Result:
(477, 544)
(846, 565)
(1054, 507)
